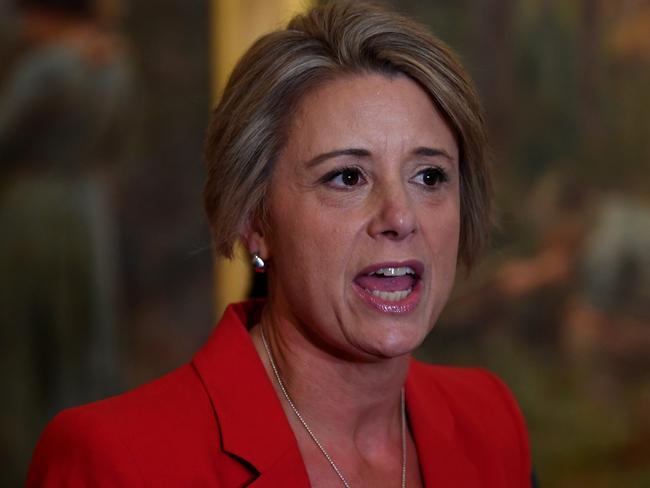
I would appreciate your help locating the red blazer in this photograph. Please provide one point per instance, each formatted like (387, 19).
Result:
(217, 422)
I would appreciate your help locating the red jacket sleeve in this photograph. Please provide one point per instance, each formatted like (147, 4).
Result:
(78, 450)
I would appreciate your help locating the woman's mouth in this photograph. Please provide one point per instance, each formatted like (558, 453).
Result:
(390, 287)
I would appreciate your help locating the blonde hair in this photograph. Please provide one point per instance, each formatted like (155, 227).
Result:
(250, 124)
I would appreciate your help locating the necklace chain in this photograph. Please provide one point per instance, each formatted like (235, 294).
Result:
(311, 433)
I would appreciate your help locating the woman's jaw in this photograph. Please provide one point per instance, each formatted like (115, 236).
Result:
(362, 324)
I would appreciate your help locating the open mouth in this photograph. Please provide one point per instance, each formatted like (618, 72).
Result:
(390, 286)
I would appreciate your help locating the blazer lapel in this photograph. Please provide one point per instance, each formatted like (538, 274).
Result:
(251, 419)
(283, 473)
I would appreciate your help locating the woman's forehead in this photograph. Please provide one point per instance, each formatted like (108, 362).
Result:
(371, 111)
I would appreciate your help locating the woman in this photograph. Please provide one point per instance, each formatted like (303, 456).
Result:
(347, 154)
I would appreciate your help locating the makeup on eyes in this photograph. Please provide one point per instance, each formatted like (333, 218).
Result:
(351, 176)
(433, 176)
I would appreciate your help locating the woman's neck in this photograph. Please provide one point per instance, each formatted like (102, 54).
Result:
(350, 400)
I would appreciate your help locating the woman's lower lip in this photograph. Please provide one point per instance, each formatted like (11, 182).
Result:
(403, 306)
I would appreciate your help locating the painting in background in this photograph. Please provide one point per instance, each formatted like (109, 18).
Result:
(105, 259)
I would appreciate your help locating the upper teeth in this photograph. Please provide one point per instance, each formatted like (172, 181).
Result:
(395, 271)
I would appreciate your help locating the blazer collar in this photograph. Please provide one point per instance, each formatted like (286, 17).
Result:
(253, 424)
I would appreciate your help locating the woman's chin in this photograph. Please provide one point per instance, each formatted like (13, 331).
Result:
(394, 344)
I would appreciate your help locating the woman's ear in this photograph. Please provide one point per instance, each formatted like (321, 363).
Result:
(255, 239)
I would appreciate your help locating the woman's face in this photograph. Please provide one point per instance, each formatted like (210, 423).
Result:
(364, 217)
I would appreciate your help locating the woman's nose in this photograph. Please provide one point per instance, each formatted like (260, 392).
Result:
(393, 215)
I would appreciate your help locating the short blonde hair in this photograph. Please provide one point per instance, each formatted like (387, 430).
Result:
(250, 125)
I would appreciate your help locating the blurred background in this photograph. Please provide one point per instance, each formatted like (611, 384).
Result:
(106, 271)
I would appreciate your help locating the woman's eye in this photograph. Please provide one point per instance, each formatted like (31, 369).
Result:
(431, 176)
(346, 177)
(350, 177)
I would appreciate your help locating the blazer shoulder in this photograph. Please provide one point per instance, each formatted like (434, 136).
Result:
(165, 425)
(77, 449)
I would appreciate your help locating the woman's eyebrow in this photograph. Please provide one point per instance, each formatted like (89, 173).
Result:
(432, 152)
(360, 153)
